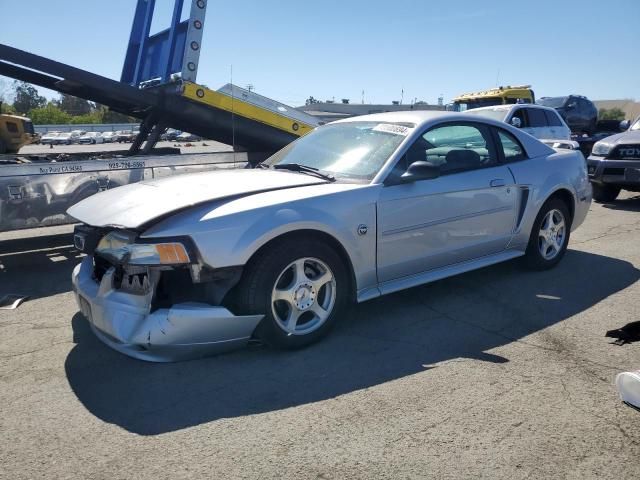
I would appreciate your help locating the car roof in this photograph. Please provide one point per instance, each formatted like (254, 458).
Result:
(422, 117)
(15, 117)
(426, 118)
(417, 117)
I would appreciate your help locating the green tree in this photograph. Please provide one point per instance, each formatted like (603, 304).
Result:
(50, 114)
(74, 105)
(109, 116)
(6, 94)
(611, 114)
(6, 108)
(27, 98)
(93, 117)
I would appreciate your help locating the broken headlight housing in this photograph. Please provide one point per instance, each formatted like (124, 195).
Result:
(120, 247)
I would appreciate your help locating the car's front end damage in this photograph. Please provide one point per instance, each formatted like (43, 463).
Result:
(155, 300)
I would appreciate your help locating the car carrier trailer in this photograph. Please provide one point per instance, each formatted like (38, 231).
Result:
(158, 87)
(37, 193)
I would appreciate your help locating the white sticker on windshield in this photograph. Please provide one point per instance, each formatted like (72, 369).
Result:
(390, 128)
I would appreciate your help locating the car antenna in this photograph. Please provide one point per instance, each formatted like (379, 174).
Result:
(233, 120)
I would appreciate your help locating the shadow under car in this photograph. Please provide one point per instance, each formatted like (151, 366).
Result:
(378, 341)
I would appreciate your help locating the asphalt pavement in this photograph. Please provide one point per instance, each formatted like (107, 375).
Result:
(498, 373)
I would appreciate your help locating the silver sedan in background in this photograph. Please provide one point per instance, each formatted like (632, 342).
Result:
(201, 263)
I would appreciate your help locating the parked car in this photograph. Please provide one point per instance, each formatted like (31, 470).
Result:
(66, 138)
(48, 137)
(614, 163)
(188, 137)
(108, 137)
(542, 122)
(170, 135)
(122, 136)
(200, 263)
(579, 113)
(91, 138)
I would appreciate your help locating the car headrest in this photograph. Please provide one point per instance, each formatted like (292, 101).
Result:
(462, 159)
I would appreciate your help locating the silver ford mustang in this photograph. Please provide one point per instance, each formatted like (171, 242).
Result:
(200, 263)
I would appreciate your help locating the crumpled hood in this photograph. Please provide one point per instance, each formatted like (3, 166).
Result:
(132, 206)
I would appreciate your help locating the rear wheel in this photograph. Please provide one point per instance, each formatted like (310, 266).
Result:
(549, 235)
(605, 193)
(302, 288)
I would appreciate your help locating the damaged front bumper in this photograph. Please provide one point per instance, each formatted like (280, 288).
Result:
(125, 322)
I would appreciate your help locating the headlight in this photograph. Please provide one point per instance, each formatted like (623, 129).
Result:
(172, 253)
(119, 246)
(601, 149)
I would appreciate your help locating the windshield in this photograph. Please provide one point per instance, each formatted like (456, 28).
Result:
(478, 102)
(495, 113)
(636, 125)
(351, 149)
(553, 102)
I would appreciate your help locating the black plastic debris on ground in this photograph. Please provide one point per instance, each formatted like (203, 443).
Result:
(10, 302)
(628, 334)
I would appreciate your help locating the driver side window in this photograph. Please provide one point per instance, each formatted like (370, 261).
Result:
(454, 148)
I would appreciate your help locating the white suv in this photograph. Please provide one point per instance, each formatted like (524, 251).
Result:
(541, 122)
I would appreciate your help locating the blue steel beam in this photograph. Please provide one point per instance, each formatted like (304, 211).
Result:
(173, 50)
(169, 50)
(144, 37)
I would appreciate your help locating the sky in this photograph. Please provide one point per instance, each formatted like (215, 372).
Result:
(390, 50)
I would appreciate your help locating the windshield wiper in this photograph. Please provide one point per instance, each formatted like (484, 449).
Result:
(296, 167)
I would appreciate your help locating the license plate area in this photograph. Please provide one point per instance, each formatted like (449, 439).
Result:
(632, 174)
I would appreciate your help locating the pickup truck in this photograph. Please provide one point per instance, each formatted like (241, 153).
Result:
(614, 163)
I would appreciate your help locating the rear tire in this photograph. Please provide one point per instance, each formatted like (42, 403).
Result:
(605, 193)
(549, 236)
(301, 286)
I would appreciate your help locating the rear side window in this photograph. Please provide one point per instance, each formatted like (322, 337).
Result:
(536, 118)
(12, 127)
(511, 147)
(552, 118)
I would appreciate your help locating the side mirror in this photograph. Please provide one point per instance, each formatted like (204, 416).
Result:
(420, 170)
(624, 125)
(516, 122)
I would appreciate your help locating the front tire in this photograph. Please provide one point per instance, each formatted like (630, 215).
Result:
(301, 286)
(605, 193)
(549, 236)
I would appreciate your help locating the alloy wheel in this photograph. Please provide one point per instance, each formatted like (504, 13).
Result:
(303, 296)
(552, 234)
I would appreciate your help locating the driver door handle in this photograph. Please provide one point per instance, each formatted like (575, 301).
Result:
(497, 182)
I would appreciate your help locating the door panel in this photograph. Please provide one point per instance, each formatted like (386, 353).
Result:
(447, 220)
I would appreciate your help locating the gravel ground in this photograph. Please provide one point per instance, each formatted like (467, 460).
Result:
(498, 373)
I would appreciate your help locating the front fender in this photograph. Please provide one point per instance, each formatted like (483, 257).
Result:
(231, 233)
